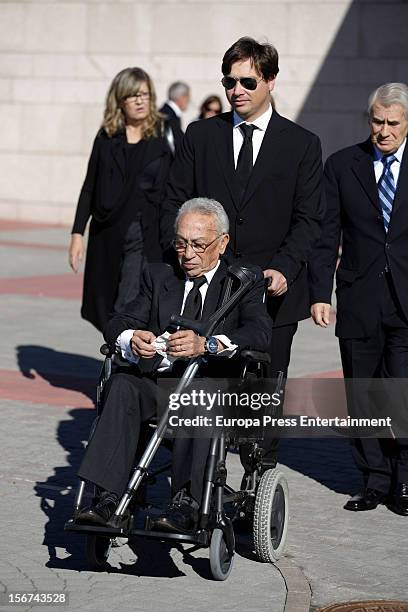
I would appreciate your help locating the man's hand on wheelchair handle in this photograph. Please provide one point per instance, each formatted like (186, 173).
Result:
(278, 283)
(141, 343)
(320, 313)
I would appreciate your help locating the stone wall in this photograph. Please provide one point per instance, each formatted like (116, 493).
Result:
(58, 58)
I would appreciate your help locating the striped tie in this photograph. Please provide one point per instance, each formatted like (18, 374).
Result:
(386, 189)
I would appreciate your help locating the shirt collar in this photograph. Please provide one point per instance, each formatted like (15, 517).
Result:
(174, 106)
(208, 275)
(398, 154)
(261, 122)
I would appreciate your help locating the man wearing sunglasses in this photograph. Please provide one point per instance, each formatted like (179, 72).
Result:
(267, 172)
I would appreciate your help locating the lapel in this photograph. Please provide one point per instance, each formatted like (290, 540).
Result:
(225, 152)
(171, 299)
(401, 194)
(363, 168)
(269, 151)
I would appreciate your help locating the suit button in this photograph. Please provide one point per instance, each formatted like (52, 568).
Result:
(240, 220)
(380, 218)
(387, 246)
(238, 255)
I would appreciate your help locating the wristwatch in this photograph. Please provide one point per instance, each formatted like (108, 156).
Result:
(211, 345)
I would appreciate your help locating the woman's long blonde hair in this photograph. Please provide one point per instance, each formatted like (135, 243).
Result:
(125, 84)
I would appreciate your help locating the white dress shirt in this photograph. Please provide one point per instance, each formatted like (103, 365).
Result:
(261, 124)
(123, 340)
(395, 166)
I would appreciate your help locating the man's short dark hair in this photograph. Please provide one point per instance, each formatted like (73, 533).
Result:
(263, 56)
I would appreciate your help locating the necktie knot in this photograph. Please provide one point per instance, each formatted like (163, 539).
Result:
(387, 160)
(247, 130)
(198, 281)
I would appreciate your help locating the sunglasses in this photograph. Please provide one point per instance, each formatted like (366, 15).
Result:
(249, 83)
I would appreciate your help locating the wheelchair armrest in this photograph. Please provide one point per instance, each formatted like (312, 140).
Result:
(258, 356)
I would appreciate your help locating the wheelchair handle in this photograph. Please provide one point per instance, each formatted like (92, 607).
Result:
(107, 351)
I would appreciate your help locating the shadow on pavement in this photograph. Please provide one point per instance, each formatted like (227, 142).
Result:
(56, 501)
(67, 550)
(63, 370)
(326, 460)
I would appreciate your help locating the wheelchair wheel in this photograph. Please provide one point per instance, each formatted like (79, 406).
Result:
(97, 551)
(271, 516)
(220, 560)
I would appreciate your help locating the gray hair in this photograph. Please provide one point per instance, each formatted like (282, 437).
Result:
(179, 88)
(388, 94)
(205, 206)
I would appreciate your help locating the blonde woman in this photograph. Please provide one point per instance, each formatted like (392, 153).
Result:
(121, 194)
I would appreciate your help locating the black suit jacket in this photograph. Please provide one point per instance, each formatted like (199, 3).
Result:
(172, 121)
(115, 200)
(278, 221)
(353, 209)
(161, 295)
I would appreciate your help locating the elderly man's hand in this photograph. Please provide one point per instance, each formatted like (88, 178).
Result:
(185, 343)
(278, 284)
(141, 343)
(320, 313)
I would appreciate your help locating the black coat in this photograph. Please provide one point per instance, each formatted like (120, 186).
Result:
(173, 122)
(278, 221)
(161, 295)
(115, 200)
(353, 209)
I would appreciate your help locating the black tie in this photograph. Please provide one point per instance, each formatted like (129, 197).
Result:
(245, 158)
(193, 304)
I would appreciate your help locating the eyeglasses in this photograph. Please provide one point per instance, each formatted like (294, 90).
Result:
(180, 245)
(143, 95)
(249, 83)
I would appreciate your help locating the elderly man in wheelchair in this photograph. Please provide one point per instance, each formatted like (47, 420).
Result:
(156, 348)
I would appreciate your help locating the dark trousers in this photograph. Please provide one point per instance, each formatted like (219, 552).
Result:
(383, 462)
(129, 402)
(282, 338)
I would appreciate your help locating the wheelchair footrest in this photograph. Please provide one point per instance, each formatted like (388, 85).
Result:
(109, 532)
(201, 537)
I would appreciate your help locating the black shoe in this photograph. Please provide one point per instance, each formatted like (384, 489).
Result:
(368, 500)
(100, 513)
(399, 500)
(181, 515)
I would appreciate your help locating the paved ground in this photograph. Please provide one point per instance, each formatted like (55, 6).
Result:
(48, 361)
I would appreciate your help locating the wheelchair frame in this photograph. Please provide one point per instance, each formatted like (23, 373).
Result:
(215, 528)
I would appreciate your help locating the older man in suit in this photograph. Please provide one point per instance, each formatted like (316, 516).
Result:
(179, 95)
(267, 172)
(366, 188)
(195, 289)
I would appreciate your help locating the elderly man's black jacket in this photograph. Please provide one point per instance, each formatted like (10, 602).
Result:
(161, 295)
(353, 209)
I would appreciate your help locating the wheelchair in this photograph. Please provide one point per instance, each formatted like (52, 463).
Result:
(261, 503)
